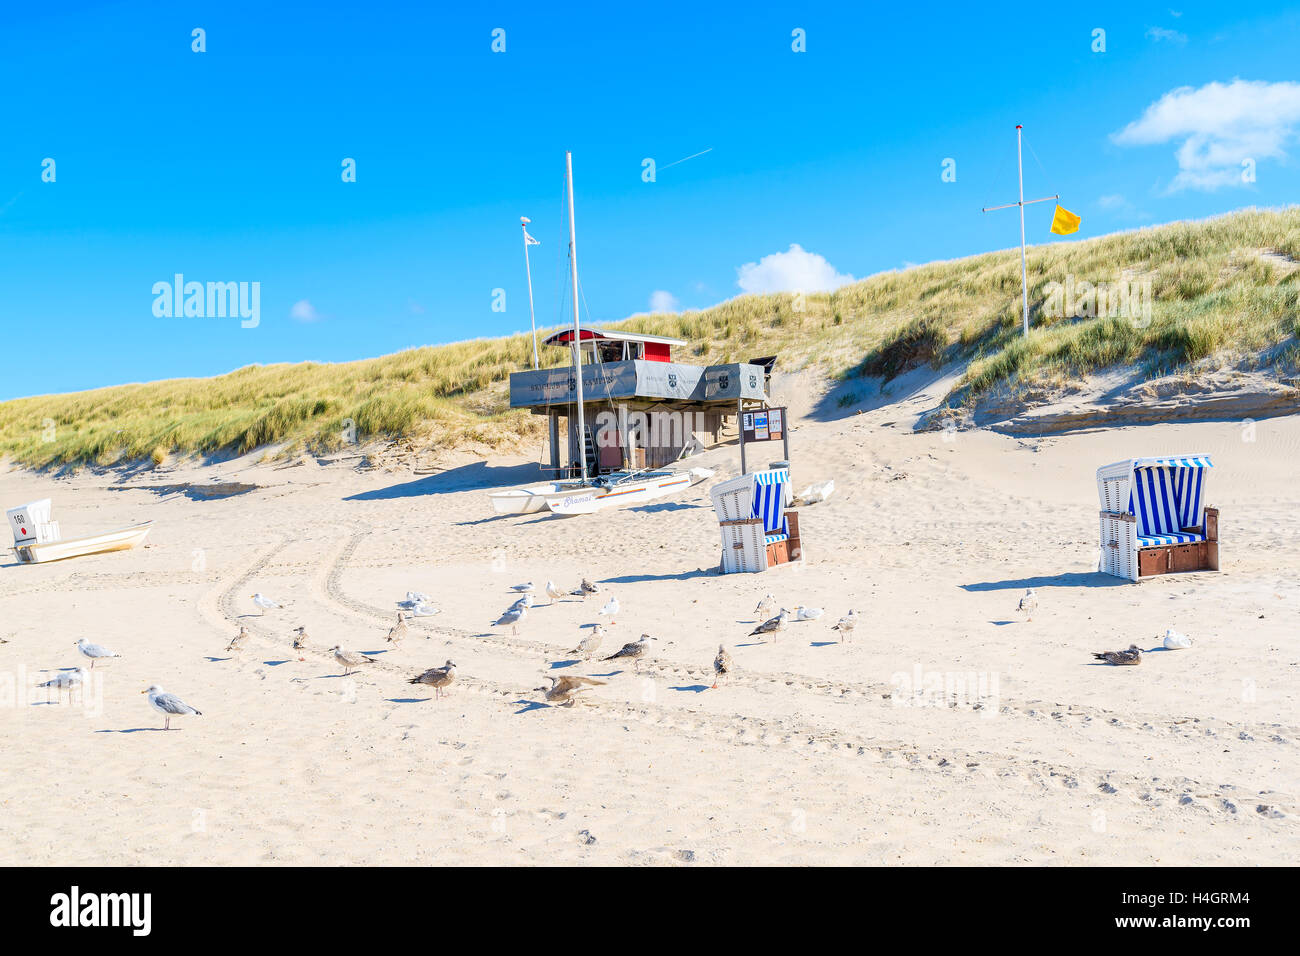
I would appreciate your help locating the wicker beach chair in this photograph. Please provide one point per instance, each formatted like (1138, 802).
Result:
(757, 530)
(1153, 517)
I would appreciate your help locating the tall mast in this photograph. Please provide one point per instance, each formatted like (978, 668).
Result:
(528, 270)
(1024, 270)
(577, 341)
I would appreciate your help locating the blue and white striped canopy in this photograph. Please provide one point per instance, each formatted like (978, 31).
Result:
(1184, 461)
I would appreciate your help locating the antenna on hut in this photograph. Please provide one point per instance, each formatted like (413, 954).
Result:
(1024, 271)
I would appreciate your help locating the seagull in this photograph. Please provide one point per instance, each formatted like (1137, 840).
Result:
(265, 603)
(818, 492)
(1119, 658)
(634, 651)
(1176, 641)
(564, 690)
(416, 597)
(95, 652)
(437, 678)
(765, 606)
(773, 625)
(526, 588)
(514, 617)
(553, 592)
(424, 610)
(169, 705)
(802, 613)
(300, 641)
(1028, 604)
(586, 588)
(722, 665)
(525, 601)
(349, 659)
(591, 642)
(237, 642)
(846, 624)
(610, 610)
(398, 630)
(66, 680)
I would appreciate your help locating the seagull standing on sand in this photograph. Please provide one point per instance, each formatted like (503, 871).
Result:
(1028, 604)
(301, 638)
(610, 610)
(1121, 658)
(633, 652)
(591, 642)
(553, 592)
(398, 630)
(237, 642)
(526, 588)
(722, 665)
(772, 626)
(514, 617)
(66, 680)
(802, 613)
(586, 588)
(525, 601)
(349, 659)
(169, 705)
(846, 624)
(564, 690)
(265, 603)
(765, 606)
(96, 652)
(437, 677)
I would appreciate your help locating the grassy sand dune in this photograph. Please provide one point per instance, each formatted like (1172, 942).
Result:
(1221, 292)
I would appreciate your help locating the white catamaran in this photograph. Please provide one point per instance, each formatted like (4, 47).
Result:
(590, 492)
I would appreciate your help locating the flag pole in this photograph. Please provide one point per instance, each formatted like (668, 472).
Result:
(523, 222)
(1024, 269)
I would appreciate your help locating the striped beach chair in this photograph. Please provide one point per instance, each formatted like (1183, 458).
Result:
(757, 530)
(1154, 519)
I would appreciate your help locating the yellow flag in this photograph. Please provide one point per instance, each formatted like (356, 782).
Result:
(1064, 222)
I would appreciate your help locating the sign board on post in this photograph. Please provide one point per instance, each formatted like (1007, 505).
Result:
(767, 424)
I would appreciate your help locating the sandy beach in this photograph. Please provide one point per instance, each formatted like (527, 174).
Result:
(816, 752)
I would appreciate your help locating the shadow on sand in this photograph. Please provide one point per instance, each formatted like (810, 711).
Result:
(477, 475)
(1071, 579)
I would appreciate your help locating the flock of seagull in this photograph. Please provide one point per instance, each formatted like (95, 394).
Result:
(169, 705)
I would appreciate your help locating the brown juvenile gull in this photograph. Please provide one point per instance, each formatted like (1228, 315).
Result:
(237, 642)
(586, 588)
(349, 659)
(634, 651)
(765, 606)
(591, 642)
(398, 630)
(96, 652)
(773, 625)
(1121, 658)
(564, 690)
(513, 617)
(300, 641)
(722, 665)
(1028, 604)
(437, 678)
(846, 624)
(169, 705)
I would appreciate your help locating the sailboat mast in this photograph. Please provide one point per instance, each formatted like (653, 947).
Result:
(1024, 269)
(577, 341)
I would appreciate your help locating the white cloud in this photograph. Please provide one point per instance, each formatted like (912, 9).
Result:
(661, 301)
(1219, 125)
(1112, 201)
(304, 311)
(1160, 33)
(791, 271)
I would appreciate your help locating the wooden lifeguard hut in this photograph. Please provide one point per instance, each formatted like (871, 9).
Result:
(641, 409)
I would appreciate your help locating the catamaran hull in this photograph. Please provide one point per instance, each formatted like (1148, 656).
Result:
(118, 540)
(525, 501)
(590, 500)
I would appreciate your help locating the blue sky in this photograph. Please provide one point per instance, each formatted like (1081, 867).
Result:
(225, 165)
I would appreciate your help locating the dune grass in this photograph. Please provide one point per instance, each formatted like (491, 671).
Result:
(1221, 291)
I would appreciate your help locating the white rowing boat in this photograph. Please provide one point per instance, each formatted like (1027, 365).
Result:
(612, 490)
(37, 538)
